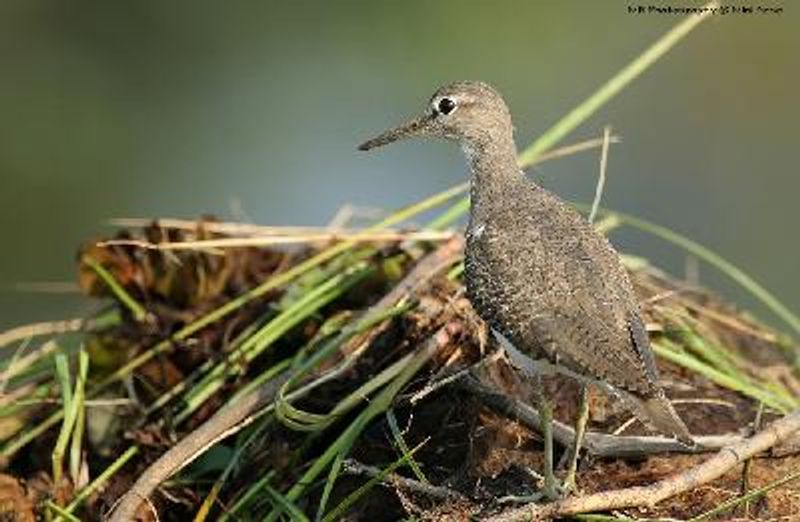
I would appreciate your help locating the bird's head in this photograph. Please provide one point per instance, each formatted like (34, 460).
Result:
(472, 113)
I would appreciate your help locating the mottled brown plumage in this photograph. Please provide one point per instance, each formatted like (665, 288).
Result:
(536, 271)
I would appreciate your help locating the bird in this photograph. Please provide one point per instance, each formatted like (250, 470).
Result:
(535, 270)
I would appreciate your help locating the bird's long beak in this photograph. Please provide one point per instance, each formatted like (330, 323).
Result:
(417, 127)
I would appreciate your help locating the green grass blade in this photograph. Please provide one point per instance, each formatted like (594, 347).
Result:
(337, 512)
(333, 474)
(403, 447)
(304, 421)
(262, 378)
(102, 478)
(608, 90)
(65, 384)
(669, 351)
(331, 347)
(285, 504)
(79, 405)
(255, 434)
(137, 310)
(715, 260)
(61, 512)
(253, 493)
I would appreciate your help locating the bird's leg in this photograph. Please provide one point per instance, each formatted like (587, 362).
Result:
(550, 488)
(580, 431)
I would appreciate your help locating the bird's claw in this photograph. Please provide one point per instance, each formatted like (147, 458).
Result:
(549, 493)
(569, 486)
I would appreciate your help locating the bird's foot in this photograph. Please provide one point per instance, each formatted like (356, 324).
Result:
(569, 486)
(552, 489)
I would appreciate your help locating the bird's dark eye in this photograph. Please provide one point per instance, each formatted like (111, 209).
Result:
(446, 105)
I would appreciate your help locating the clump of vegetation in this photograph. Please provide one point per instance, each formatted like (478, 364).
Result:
(365, 385)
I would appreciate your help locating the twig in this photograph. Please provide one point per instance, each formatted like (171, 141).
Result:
(354, 467)
(725, 460)
(261, 241)
(7, 398)
(224, 423)
(749, 462)
(235, 416)
(677, 294)
(437, 383)
(596, 444)
(218, 227)
(625, 425)
(569, 150)
(349, 212)
(38, 329)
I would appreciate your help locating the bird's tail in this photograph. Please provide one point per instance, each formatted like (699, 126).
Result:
(658, 413)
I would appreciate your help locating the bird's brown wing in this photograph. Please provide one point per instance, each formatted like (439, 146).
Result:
(564, 289)
(641, 341)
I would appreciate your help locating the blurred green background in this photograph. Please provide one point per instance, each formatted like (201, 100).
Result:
(177, 109)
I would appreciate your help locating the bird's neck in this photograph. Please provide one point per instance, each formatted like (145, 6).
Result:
(494, 169)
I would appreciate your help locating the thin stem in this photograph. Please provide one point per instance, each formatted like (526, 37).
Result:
(601, 181)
